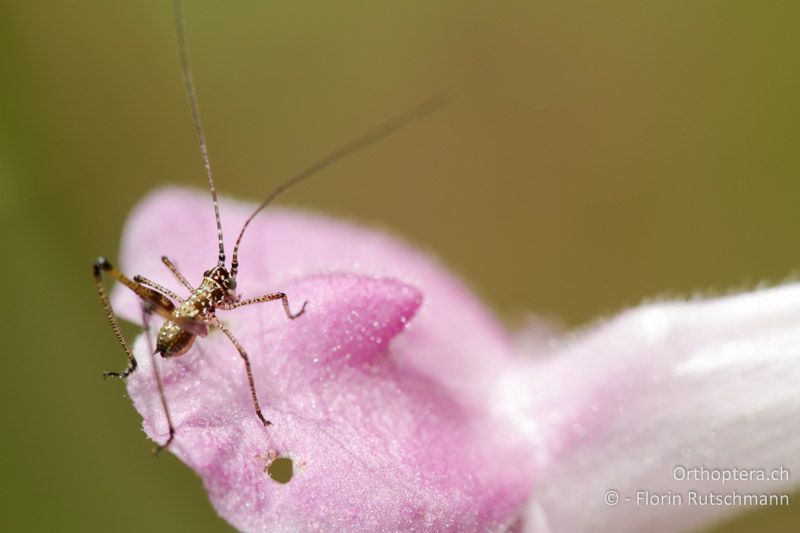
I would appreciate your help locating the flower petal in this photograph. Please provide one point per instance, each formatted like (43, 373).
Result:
(387, 429)
(375, 444)
(282, 245)
(705, 384)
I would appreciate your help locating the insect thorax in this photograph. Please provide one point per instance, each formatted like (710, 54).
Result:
(214, 290)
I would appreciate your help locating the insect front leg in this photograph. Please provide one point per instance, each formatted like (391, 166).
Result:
(157, 302)
(177, 273)
(217, 323)
(270, 298)
(155, 286)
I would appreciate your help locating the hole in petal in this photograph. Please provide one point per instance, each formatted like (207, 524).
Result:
(281, 469)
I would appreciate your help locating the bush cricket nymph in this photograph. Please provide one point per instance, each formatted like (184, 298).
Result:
(192, 317)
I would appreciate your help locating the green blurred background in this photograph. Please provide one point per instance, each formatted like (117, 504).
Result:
(594, 154)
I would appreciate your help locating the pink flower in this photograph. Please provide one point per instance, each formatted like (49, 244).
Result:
(403, 404)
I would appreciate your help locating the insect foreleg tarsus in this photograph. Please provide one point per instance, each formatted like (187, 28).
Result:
(271, 298)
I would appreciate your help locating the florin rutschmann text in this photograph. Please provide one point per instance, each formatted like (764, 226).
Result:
(745, 494)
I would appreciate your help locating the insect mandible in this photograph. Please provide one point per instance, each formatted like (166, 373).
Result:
(192, 317)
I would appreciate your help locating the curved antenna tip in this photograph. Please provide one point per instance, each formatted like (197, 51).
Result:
(424, 108)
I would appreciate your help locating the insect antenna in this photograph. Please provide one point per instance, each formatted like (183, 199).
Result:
(383, 130)
(188, 81)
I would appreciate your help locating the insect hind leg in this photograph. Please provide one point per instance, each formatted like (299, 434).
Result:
(99, 267)
(153, 299)
(146, 312)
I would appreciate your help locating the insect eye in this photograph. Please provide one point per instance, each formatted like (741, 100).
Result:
(206, 273)
(232, 283)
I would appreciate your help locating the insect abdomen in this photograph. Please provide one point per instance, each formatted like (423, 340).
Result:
(173, 339)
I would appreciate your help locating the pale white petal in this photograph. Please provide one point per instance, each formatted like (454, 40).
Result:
(711, 384)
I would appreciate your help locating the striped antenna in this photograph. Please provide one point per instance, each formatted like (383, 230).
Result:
(188, 81)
